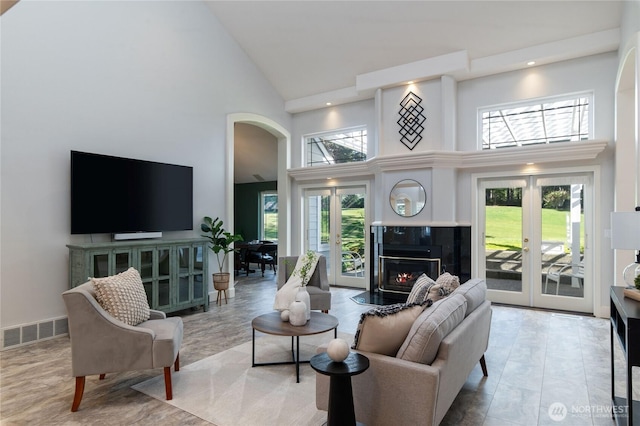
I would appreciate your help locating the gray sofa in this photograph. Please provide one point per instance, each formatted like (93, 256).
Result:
(399, 391)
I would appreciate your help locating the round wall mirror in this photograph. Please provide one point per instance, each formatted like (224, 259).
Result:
(407, 198)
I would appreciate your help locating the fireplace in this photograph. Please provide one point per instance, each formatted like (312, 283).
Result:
(412, 250)
(398, 274)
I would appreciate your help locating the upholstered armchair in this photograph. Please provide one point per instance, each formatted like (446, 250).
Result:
(102, 344)
(318, 285)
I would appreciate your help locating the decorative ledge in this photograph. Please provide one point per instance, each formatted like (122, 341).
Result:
(539, 154)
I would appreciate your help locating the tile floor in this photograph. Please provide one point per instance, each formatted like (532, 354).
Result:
(536, 360)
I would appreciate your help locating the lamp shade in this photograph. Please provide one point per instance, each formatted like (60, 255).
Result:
(625, 230)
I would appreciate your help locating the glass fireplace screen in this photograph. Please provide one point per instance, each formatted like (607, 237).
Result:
(398, 274)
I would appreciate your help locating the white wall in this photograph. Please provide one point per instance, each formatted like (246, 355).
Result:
(148, 80)
(630, 21)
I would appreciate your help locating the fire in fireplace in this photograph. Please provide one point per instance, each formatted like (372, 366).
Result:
(398, 274)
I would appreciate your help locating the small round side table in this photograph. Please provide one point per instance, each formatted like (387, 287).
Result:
(341, 410)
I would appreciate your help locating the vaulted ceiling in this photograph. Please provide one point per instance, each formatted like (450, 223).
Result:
(326, 51)
(314, 52)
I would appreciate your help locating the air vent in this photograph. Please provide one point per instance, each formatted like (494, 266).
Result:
(30, 333)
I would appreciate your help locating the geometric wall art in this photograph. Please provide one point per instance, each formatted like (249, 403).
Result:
(411, 120)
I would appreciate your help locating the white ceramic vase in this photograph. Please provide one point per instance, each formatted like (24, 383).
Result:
(303, 296)
(297, 313)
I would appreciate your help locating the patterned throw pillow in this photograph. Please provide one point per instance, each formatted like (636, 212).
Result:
(123, 296)
(420, 289)
(383, 330)
(445, 285)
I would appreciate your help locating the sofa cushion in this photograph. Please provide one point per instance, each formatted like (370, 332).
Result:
(475, 291)
(382, 330)
(420, 289)
(444, 286)
(123, 296)
(434, 324)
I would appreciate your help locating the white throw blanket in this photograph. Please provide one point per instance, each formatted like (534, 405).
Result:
(288, 291)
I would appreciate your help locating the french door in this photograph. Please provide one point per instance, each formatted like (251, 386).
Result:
(534, 245)
(335, 227)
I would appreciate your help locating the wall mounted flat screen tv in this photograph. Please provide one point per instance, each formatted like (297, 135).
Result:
(123, 195)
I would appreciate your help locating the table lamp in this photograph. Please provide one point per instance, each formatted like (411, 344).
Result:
(625, 235)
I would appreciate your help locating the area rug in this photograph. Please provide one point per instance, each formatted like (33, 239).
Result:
(225, 390)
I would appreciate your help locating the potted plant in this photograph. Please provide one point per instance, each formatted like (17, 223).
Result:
(221, 244)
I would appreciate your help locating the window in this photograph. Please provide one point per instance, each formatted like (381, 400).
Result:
(537, 122)
(269, 215)
(346, 146)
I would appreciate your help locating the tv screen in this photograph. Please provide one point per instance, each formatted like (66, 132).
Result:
(123, 195)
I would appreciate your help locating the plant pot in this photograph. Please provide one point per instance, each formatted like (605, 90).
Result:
(221, 280)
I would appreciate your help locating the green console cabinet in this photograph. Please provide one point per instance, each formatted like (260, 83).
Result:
(174, 272)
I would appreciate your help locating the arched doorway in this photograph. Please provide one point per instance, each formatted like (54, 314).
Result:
(284, 190)
(627, 155)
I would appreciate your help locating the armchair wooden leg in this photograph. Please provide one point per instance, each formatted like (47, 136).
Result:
(176, 365)
(167, 383)
(102, 376)
(483, 364)
(77, 398)
(325, 311)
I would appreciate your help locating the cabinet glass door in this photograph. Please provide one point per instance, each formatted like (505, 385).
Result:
(145, 267)
(198, 272)
(183, 275)
(122, 261)
(164, 276)
(100, 266)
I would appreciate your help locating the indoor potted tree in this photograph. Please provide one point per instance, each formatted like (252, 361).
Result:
(221, 244)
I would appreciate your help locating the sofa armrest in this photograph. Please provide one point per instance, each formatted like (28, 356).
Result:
(391, 391)
(156, 314)
(458, 354)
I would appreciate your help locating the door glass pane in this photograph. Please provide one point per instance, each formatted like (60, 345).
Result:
(183, 289)
(503, 238)
(319, 225)
(198, 253)
(146, 264)
(183, 253)
(352, 234)
(562, 221)
(148, 288)
(163, 292)
(163, 262)
(122, 262)
(100, 265)
(198, 286)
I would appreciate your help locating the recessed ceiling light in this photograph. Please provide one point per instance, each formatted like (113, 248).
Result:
(530, 164)
(328, 103)
(410, 82)
(531, 63)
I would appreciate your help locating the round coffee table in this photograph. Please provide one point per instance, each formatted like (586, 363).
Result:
(271, 323)
(341, 410)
